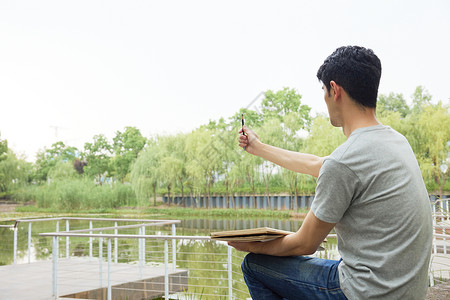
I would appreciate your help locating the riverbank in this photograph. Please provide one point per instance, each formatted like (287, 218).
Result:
(13, 210)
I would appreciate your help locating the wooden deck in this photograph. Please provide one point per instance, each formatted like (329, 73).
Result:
(79, 278)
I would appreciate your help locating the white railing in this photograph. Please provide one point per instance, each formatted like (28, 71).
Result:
(147, 249)
(440, 259)
(223, 281)
(143, 223)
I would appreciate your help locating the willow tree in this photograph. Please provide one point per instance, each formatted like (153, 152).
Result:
(271, 133)
(323, 137)
(173, 162)
(430, 133)
(145, 172)
(3, 149)
(203, 160)
(14, 173)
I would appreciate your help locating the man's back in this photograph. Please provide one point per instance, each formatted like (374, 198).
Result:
(371, 186)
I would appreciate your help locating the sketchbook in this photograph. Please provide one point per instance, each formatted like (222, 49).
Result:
(261, 234)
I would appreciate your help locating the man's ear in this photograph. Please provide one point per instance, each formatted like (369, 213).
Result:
(337, 90)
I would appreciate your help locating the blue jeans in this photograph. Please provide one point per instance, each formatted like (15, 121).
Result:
(293, 277)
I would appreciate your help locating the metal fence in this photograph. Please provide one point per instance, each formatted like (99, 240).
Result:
(193, 276)
(440, 258)
(129, 259)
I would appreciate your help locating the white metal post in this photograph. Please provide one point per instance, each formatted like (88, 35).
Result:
(100, 258)
(55, 251)
(109, 270)
(143, 246)
(29, 242)
(230, 275)
(67, 239)
(434, 228)
(166, 269)
(53, 267)
(174, 248)
(90, 240)
(116, 246)
(140, 252)
(57, 238)
(444, 239)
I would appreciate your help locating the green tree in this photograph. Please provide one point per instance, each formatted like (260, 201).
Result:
(145, 172)
(173, 162)
(14, 173)
(323, 137)
(226, 153)
(283, 102)
(273, 134)
(3, 149)
(98, 157)
(392, 103)
(48, 158)
(292, 178)
(420, 97)
(203, 160)
(126, 146)
(252, 118)
(429, 136)
(62, 170)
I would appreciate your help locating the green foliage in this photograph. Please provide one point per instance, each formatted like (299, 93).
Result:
(208, 161)
(217, 212)
(73, 194)
(430, 131)
(62, 170)
(323, 137)
(98, 157)
(420, 97)
(14, 174)
(392, 103)
(284, 102)
(3, 149)
(126, 146)
(14, 171)
(145, 173)
(48, 158)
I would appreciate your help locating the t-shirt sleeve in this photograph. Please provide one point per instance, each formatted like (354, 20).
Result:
(336, 188)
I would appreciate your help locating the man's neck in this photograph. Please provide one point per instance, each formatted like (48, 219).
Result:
(359, 118)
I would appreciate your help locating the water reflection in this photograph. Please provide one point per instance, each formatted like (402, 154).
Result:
(41, 246)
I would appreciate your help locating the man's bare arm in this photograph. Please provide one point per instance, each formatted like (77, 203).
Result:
(295, 161)
(304, 242)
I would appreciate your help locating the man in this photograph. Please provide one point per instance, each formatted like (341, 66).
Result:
(369, 189)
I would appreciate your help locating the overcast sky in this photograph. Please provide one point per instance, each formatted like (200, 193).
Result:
(72, 69)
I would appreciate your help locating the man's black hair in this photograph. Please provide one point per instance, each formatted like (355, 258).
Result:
(357, 70)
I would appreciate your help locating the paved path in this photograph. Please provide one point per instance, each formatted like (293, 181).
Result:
(34, 280)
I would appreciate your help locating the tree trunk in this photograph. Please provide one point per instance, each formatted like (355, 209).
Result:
(228, 199)
(209, 195)
(233, 201)
(182, 195)
(154, 194)
(168, 193)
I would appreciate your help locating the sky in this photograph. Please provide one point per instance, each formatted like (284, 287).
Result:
(70, 70)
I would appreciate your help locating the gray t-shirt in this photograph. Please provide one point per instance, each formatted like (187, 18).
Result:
(371, 186)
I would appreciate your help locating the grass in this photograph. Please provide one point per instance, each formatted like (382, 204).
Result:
(178, 212)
